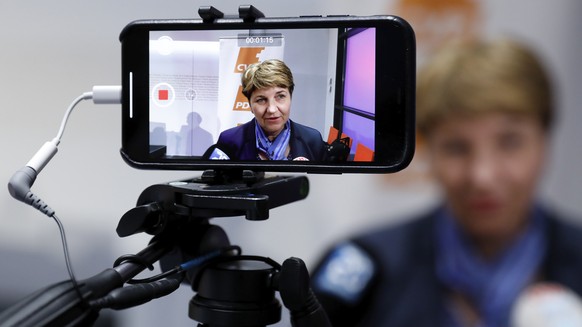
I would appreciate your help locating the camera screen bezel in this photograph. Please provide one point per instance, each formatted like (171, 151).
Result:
(395, 85)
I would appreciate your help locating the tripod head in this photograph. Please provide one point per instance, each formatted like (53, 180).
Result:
(214, 194)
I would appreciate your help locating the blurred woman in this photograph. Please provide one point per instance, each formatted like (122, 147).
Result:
(485, 111)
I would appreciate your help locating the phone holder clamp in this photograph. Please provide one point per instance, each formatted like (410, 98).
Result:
(247, 13)
(209, 14)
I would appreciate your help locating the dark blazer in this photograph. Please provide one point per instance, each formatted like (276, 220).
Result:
(405, 290)
(239, 143)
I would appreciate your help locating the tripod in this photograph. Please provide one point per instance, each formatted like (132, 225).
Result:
(231, 289)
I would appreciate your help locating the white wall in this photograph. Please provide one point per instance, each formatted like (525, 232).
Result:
(53, 51)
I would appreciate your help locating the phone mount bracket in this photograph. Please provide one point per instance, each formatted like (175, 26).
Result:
(209, 14)
(213, 176)
(248, 13)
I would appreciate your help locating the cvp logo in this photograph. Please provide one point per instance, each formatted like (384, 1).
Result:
(246, 57)
(241, 68)
(241, 103)
(463, 20)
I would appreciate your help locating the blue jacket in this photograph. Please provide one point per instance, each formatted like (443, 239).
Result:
(396, 284)
(239, 143)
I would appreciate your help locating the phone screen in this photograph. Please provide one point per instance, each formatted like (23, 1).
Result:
(352, 91)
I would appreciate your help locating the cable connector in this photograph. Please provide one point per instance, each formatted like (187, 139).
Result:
(43, 155)
(107, 94)
(39, 204)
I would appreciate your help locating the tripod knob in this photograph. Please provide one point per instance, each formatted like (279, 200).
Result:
(298, 297)
(144, 218)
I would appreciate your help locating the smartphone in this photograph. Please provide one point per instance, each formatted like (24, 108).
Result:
(353, 95)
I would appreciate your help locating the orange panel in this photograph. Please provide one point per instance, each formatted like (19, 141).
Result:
(363, 153)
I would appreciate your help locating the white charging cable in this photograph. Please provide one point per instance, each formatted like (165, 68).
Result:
(22, 180)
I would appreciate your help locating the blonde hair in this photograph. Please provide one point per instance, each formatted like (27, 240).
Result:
(269, 73)
(473, 77)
